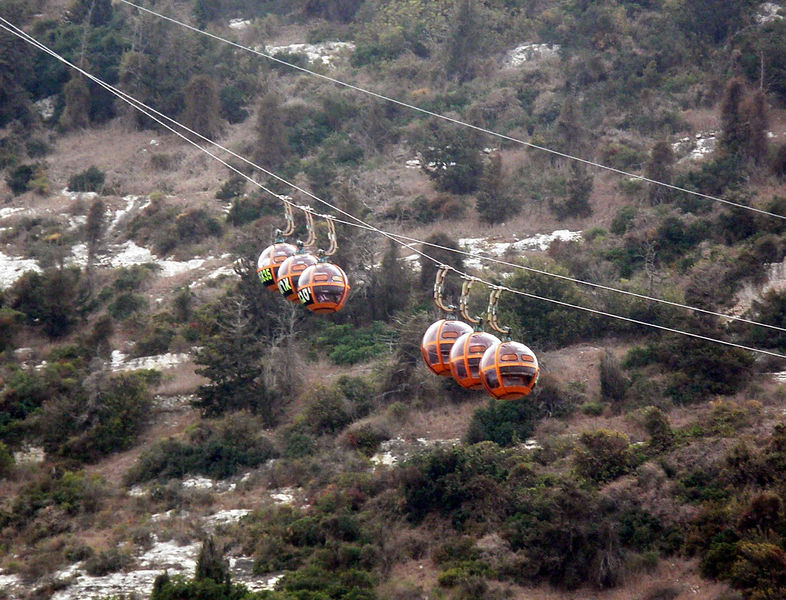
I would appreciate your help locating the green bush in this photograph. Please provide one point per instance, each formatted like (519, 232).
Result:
(90, 180)
(107, 417)
(19, 178)
(505, 423)
(603, 455)
(6, 461)
(231, 188)
(347, 344)
(215, 449)
(127, 304)
(106, 562)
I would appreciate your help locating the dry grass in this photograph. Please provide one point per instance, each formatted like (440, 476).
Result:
(179, 380)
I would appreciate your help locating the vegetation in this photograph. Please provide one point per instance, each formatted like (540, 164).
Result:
(638, 446)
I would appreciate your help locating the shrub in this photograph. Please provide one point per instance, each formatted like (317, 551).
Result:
(126, 304)
(107, 561)
(348, 344)
(19, 178)
(656, 424)
(90, 180)
(6, 461)
(603, 455)
(231, 188)
(622, 220)
(104, 417)
(214, 449)
(506, 423)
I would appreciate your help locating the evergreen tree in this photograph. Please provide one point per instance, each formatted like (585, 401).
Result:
(390, 285)
(578, 190)
(659, 168)
(428, 268)
(202, 106)
(451, 157)
(94, 229)
(96, 12)
(77, 98)
(232, 361)
(755, 123)
(493, 203)
(732, 137)
(569, 133)
(463, 42)
(16, 71)
(211, 563)
(272, 146)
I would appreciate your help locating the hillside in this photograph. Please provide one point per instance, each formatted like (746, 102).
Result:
(171, 429)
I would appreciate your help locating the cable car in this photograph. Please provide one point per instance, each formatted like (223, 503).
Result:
(323, 288)
(270, 260)
(465, 358)
(509, 370)
(438, 341)
(290, 270)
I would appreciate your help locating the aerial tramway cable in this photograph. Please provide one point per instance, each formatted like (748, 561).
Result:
(360, 224)
(9, 27)
(452, 119)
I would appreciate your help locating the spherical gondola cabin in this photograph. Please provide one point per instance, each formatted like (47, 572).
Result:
(509, 370)
(323, 288)
(438, 341)
(289, 272)
(465, 358)
(270, 260)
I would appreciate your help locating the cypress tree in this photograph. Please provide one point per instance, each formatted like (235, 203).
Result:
(659, 167)
(202, 106)
(755, 122)
(77, 98)
(732, 138)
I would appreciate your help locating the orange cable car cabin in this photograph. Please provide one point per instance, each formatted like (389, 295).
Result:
(323, 288)
(438, 341)
(270, 260)
(509, 370)
(289, 272)
(465, 358)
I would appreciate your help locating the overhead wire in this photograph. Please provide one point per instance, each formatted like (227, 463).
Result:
(458, 251)
(363, 225)
(414, 240)
(452, 119)
(151, 113)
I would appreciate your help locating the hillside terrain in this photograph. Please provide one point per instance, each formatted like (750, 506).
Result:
(171, 429)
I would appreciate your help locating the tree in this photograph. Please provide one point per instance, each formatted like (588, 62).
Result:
(451, 157)
(211, 563)
(656, 424)
(603, 455)
(569, 133)
(753, 112)
(48, 299)
(493, 203)
(95, 12)
(232, 361)
(659, 167)
(732, 137)
(428, 267)
(16, 70)
(463, 41)
(713, 20)
(94, 229)
(389, 286)
(578, 189)
(613, 382)
(202, 106)
(272, 146)
(77, 104)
